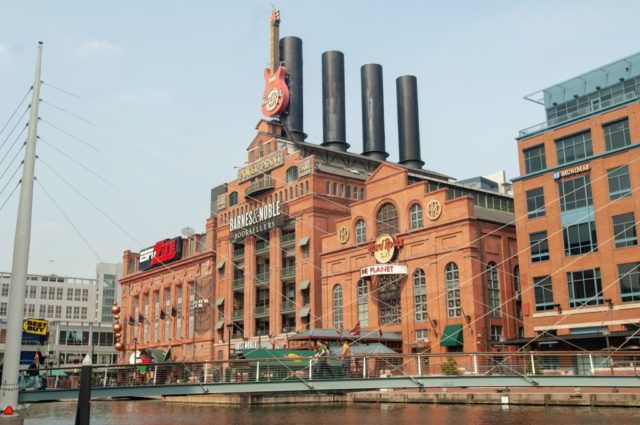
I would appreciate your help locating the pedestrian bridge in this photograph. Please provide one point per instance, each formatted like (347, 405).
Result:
(301, 374)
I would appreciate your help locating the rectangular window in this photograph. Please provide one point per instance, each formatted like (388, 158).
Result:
(145, 312)
(496, 333)
(58, 312)
(68, 312)
(167, 313)
(616, 134)
(422, 334)
(49, 311)
(539, 247)
(535, 202)
(574, 147)
(78, 294)
(585, 288)
(69, 294)
(3, 309)
(85, 295)
(534, 159)
(543, 293)
(43, 292)
(76, 312)
(83, 313)
(59, 293)
(5, 290)
(624, 230)
(192, 299)
(575, 193)
(156, 316)
(619, 182)
(179, 313)
(31, 310)
(32, 291)
(580, 238)
(629, 276)
(42, 311)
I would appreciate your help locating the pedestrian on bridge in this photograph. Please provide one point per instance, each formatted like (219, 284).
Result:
(346, 359)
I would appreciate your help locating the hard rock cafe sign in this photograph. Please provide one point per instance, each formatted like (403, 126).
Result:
(385, 248)
(276, 93)
(434, 209)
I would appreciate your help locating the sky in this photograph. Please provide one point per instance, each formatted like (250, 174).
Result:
(147, 105)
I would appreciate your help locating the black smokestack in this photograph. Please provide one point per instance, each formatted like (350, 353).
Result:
(333, 109)
(372, 112)
(291, 56)
(408, 128)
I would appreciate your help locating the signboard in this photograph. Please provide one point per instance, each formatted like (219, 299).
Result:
(261, 166)
(434, 209)
(35, 326)
(385, 248)
(304, 167)
(571, 171)
(201, 303)
(221, 202)
(256, 221)
(382, 269)
(162, 252)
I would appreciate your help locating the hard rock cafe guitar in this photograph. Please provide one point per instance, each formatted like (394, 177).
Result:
(276, 92)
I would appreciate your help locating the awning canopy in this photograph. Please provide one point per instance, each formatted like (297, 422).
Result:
(304, 312)
(452, 336)
(219, 324)
(220, 265)
(219, 301)
(303, 241)
(304, 285)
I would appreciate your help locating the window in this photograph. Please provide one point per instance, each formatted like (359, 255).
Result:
(83, 313)
(616, 134)
(629, 276)
(3, 309)
(156, 316)
(260, 150)
(624, 230)
(619, 182)
(387, 220)
(575, 193)
(291, 174)
(43, 292)
(327, 187)
(59, 293)
(335, 189)
(580, 238)
(516, 281)
(534, 159)
(452, 284)
(337, 307)
(52, 293)
(179, 312)
(361, 231)
(342, 189)
(50, 311)
(167, 313)
(496, 333)
(416, 216)
(233, 198)
(76, 312)
(42, 310)
(585, 288)
(574, 147)
(363, 303)
(535, 203)
(389, 306)
(493, 284)
(192, 299)
(32, 291)
(77, 295)
(348, 195)
(58, 312)
(539, 247)
(419, 295)
(68, 312)
(422, 334)
(543, 293)
(85, 295)
(355, 193)
(5, 290)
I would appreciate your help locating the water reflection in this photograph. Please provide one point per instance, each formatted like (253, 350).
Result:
(158, 412)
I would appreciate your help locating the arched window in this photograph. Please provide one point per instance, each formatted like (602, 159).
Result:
(361, 231)
(516, 281)
(363, 303)
(306, 187)
(291, 174)
(420, 295)
(389, 305)
(260, 150)
(355, 193)
(416, 216)
(493, 285)
(296, 191)
(362, 194)
(290, 193)
(337, 307)
(327, 187)
(348, 194)
(335, 188)
(233, 199)
(452, 285)
(342, 189)
(387, 220)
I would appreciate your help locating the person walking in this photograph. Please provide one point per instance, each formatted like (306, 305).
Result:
(346, 359)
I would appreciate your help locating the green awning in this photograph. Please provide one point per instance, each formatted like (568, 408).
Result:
(220, 265)
(303, 241)
(304, 312)
(452, 336)
(219, 301)
(304, 284)
(219, 324)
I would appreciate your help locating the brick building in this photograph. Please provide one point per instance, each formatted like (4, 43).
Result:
(577, 203)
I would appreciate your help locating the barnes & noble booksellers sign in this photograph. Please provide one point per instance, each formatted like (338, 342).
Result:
(256, 221)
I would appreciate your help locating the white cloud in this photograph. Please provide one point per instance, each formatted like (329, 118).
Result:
(98, 48)
(143, 95)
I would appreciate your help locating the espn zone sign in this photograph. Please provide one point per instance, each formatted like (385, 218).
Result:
(162, 252)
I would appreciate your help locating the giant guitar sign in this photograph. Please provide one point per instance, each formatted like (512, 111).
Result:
(276, 93)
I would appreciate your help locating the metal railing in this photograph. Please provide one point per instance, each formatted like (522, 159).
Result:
(237, 314)
(262, 246)
(260, 186)
(261, 279)
(288, 272)
(261, 310)
(238, 253)
(288, 306)
(287, 239)
(238, 283)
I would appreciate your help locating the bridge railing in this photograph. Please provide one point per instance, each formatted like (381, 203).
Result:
(354, 367)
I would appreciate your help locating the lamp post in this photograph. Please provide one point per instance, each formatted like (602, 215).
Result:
(135, 350)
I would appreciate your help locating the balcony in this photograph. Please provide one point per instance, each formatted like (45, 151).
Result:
(261, 279)
(238, 284)
(287, 329)
(238, 253)
(238, 314)
(262, 247)
(287, 239)
(288, 306)
(259, 186)
(288, 272)
(261, 311)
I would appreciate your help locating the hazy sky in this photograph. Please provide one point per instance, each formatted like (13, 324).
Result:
(166, 96)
